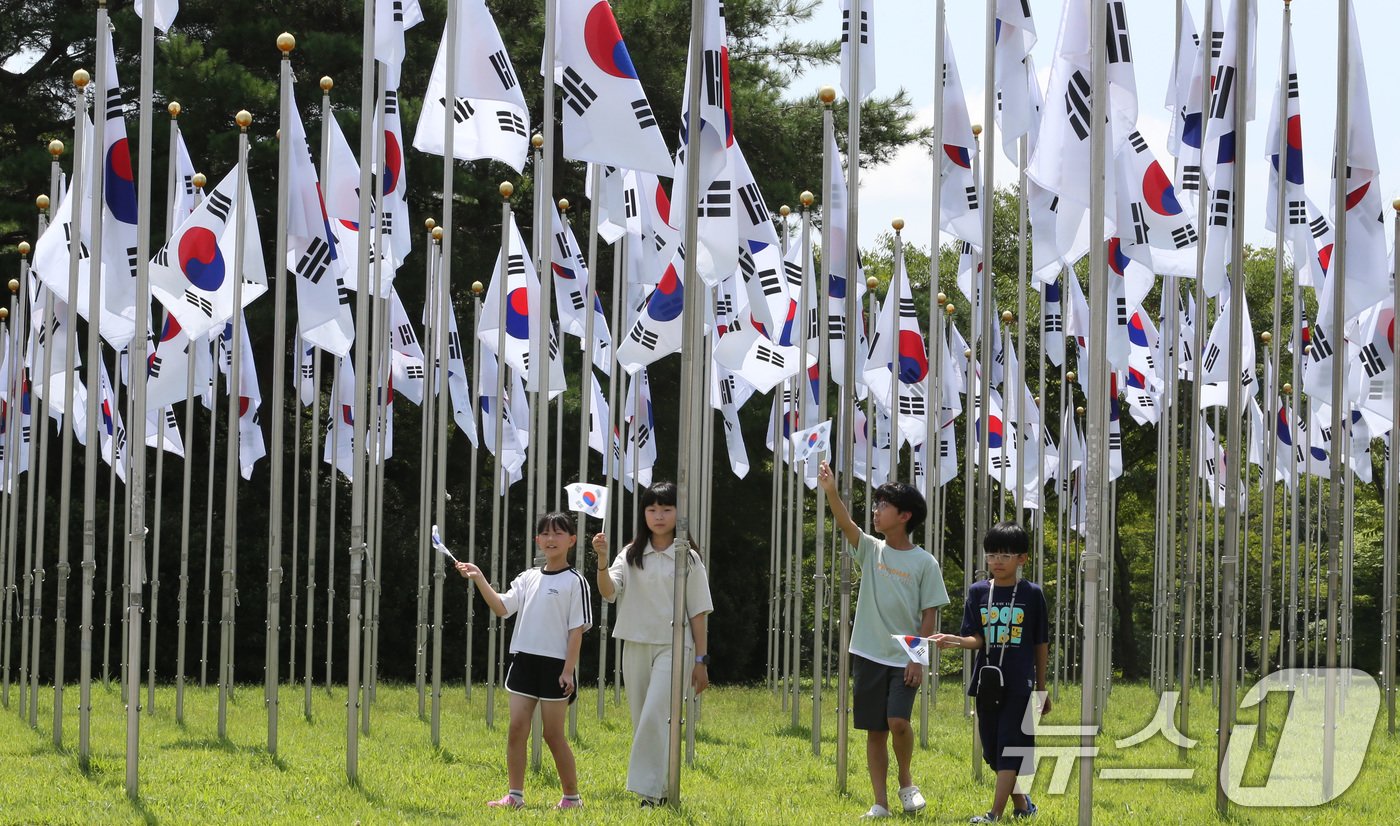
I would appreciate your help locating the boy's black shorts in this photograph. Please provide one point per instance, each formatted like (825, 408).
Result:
(880, 693)
(1001, 730)
(531, 675)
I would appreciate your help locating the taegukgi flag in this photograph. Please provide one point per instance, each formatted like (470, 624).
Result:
(589, 499)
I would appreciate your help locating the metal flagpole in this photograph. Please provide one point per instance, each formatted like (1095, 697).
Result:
(1193, 484)
(586, 379)
(34, 550)
(827, 95)
(208, 509)
(1096, 460)
(65, 484)
(933, 403)
(425, 473)
(12, 471)
(336, 410)
(847, 428)
(285, 44)
(317, 446)
(477, 288)
(1392, 490)
(185, 479)
(1335, 327)
(538, 379)
(234, 350)
(362, 348)
(985, 291)
(800, 471)
(613, 448)
(500, 475)
(896, 295)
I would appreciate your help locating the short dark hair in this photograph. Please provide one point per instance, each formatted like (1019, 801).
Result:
(562, 521)
(905, 499)
(1006, 537)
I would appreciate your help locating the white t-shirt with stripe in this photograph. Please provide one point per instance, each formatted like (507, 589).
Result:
(550, 604)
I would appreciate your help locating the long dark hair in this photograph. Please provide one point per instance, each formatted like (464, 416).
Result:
(661, 493)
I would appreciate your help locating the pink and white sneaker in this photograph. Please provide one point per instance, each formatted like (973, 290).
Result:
(568, 803)
(510, 801)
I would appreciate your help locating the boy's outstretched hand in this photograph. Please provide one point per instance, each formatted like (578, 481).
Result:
(826, 478)
(467, 570)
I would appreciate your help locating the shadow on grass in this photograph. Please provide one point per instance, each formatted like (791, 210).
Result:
(139, 807)
(227, 747)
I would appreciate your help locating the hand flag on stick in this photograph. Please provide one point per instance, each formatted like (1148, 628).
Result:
(441, 548)
(589, 499)
(915, 647)
(813, 440)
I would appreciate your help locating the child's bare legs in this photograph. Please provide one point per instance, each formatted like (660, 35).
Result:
(521, 710)
(1006, 789)
(552, 715)
(877, 756)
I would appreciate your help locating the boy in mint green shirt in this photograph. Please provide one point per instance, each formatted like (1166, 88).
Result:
(901, 588)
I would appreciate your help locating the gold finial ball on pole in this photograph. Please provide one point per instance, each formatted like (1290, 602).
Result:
(4, 314)
(56, 148)
(1079, 411)
(950, 309)
(506, 189)
(429, 224)
(198, 180)
(1007, 316)
(563, 205)
(976, 130)
(285, 43)
(23, 250)
(173, 109)
(478, 288)
(1266, 336)
(807, 198)
(942, 298)
(1071, 376)
(327, 83)
(1037, 401)
(967, 354)
(872, 282)
(827, 95)
(1288, 388)
(42, 202)
(244, 119)
(785, 210)
(1307, 349)
(1395, 204)
(14, 285)
(898, 224)
(537, 140)
(81, 78)
(437, 234)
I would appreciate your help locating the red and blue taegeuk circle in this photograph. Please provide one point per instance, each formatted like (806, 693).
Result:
(1158, 190)
(668, 299)
(118, 183)
(604, 42)
(518, 313)
(200, 259)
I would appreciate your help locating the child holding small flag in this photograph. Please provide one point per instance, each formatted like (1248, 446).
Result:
(641, 581)
(901, 589)
(1005, 622)
(555, 609)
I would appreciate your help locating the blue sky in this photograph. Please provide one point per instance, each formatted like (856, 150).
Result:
(904, 59)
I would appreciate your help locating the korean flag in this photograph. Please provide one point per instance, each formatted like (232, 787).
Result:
(811, 441)
(589, 499)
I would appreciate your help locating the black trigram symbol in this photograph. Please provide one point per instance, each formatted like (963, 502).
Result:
(770, 281)
(405, 334)
(1184, 236)
(1217, 42)
(644, 337)
(315, 261)
(1078, 100)
(187, 181)
(414, 370)
(972, 198)
(114, 103)
(907, 308)
(1054, 320)
(68, 236)
(1321, 347)
(391, 101)
(308, 370)
(1137, 141)
(752, 201)
(643, 435)
(1139, 223)
(1191, 178)
(1297, 213)
(846, 26)
(629, 202)
(1371, 360)
(1224, 88)
(793, 271)
(131, 261)
(1122, 311)
(717, 200)
(454, 346)
(398, 11)
(462, 109)
(200, 303)
(714, 81)
(1222, 207)
(836, 326)
(220, 205)
(1119, 48)
(170, 419)
(1000, 462)
(342, 294)
(515, 265)
(911, 405)
(726, 391)
(576, 298)
(154, 369)
(724, 306)
(1115, 440)
(501, 64)
(1292, 85)
(1212, 356)
(764, 353)
(642, 110)
(577, 93)
(510, 122)
(1319, 226)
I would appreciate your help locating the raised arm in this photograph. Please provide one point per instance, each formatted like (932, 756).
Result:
(488, 593)
(603, 579)
(827, 479)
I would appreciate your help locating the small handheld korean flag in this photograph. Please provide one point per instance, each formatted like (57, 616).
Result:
(811, 441)
(915, 647)
(441, 548)
(589, 499)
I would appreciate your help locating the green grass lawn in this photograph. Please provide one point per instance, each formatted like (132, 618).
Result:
(750, 766)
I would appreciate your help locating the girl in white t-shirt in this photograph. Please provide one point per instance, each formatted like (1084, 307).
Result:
(554, 608)
(641, 581)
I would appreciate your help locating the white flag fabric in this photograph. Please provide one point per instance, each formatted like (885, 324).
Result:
(607, 119)
(391, 19)
(164, 12)
(599, 429)
(811, 441)
(1219, 151)
(900, 360)
(111, 431)
(306, 373)
(119, 208)
(457, 385)
(725, 396)
(513, 440)
(915, 647)
(1017, 88)
(163, 431)
(864, 27)
(492, 120)
(571, 288)
(193, 274)
(405, 354)
(168, 366)
(251, 446)
(657, 330)
(589, 499)
(398, 235)
(522, 313)
(834, 262)
(961, 210)
(639, 448)
(182, 200)
(323, 309)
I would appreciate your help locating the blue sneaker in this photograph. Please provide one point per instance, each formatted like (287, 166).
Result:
(1029, 811)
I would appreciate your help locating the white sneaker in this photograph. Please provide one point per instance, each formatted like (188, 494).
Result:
(876, 810)
(912, 799)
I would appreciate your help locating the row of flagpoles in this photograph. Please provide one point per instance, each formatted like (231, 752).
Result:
(779, 327)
